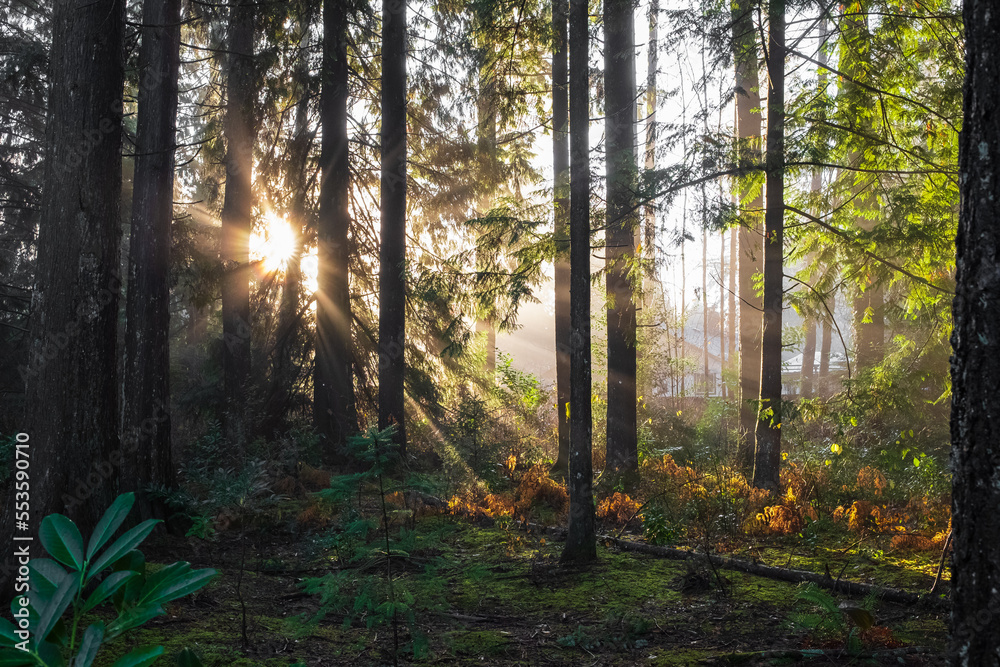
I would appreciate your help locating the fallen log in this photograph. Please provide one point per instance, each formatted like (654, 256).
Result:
(781, 573)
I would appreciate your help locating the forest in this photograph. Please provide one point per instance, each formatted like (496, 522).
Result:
(505, 332)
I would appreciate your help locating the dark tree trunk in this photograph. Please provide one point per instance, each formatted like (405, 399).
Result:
(767, 454)
(621, 223)
(71, 374)
(146, 415)
(750, 254)
(392, 251)
(334, 409)
(581, 539)
(560, 163)
(975, 364)
(239, 128)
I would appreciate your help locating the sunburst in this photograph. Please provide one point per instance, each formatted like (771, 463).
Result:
(274, 244)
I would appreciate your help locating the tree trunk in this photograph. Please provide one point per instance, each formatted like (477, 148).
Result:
(392, 250)
(975, 364)
(826, 342)
(809, 357)
(704, 297)
(621, 223)
(240, 132)
(649, 237)
(334, 411)
(767, 454)
(869, 322)
(71, 421)
(146, 398)
(560, 163)
(750, 260)
(581, 539)
(733, 268)
(722, 312)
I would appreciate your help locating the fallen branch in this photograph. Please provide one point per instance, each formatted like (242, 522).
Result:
(780, 573)
(944, 552)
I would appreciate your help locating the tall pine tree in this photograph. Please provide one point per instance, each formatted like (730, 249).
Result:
(392, 250)
(334, 410)
(147, 315)
(767, 454)
(581, 540)
(975, 366)
(620, 226)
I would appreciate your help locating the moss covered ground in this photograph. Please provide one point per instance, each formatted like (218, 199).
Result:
(491, 595)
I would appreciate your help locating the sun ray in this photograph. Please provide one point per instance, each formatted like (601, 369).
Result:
(274, 244)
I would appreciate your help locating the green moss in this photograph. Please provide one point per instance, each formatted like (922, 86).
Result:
(481, 643)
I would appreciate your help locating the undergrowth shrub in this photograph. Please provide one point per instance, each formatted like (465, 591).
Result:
(367, 588)
(81, 577)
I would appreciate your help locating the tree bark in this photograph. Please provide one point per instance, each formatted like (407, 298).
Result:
(581, 540)
(147, 316)
(767, 454)
(334, 408)
(392, 250)
(975, 366)
(71, 375)
(560, 163)
(621, 223)
(240, 132)
(750, 261)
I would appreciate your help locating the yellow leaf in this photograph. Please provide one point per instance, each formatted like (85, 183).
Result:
(836, 449)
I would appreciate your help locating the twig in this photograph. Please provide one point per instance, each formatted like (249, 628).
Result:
(944, 552)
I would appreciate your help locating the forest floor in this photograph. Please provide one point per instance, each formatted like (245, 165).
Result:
(490, 595)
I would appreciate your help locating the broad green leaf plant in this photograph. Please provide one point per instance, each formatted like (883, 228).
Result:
(64, 589)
